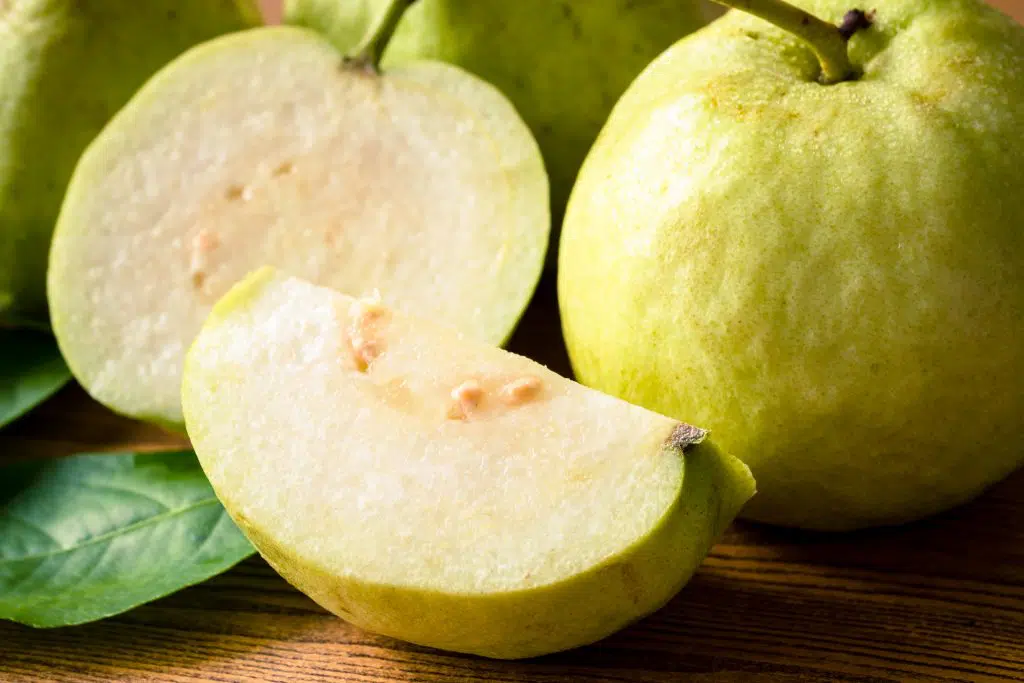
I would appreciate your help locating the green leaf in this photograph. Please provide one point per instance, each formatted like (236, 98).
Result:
(31, 369)
(90, 536)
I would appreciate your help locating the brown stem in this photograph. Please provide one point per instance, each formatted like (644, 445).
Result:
(827, 41)
(371, 49)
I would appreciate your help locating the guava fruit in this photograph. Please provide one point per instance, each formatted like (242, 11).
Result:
(433, 488)
(816, 250)
(269, 147)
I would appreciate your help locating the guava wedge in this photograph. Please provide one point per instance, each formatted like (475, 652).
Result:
(270, 147)
(432, 488)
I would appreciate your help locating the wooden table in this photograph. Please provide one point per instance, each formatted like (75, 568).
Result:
(941, 599)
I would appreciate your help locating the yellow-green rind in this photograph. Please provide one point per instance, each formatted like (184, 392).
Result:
(574, 612)
(241, 294)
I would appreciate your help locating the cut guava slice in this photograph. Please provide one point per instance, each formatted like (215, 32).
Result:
(427, 486)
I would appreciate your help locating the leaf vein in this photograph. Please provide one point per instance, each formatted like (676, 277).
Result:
(113, 533)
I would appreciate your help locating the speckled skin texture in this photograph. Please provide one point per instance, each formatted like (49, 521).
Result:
(65, 68)
(830, 278)
(563, 64)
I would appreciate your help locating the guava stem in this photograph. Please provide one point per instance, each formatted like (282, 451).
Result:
(825, 39)
(371, 49)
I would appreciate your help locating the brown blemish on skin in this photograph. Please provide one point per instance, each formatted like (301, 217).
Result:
(241, 520)
(574, 21)
(684, 436)
(234, 193)
(853, 21)
(929, 100)
(729, 95)
(630, 581)
(284, 169)
(342, 611)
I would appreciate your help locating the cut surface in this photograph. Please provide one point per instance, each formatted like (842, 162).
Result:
(389, 467)
(401, 448)
(263, 148)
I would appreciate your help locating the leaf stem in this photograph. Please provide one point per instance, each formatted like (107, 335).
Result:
(371, 48)
(826, 40)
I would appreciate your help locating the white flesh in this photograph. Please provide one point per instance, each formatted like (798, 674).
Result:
(261, 148)
(370, 473)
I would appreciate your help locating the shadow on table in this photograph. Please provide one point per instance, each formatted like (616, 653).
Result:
(980, 541)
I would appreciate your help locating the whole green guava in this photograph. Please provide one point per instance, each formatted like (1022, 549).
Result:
(829, 277)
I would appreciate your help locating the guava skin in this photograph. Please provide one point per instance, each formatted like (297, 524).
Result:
(828, 277)
(65, 68)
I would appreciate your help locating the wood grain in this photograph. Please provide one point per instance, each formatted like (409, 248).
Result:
(938, 600)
